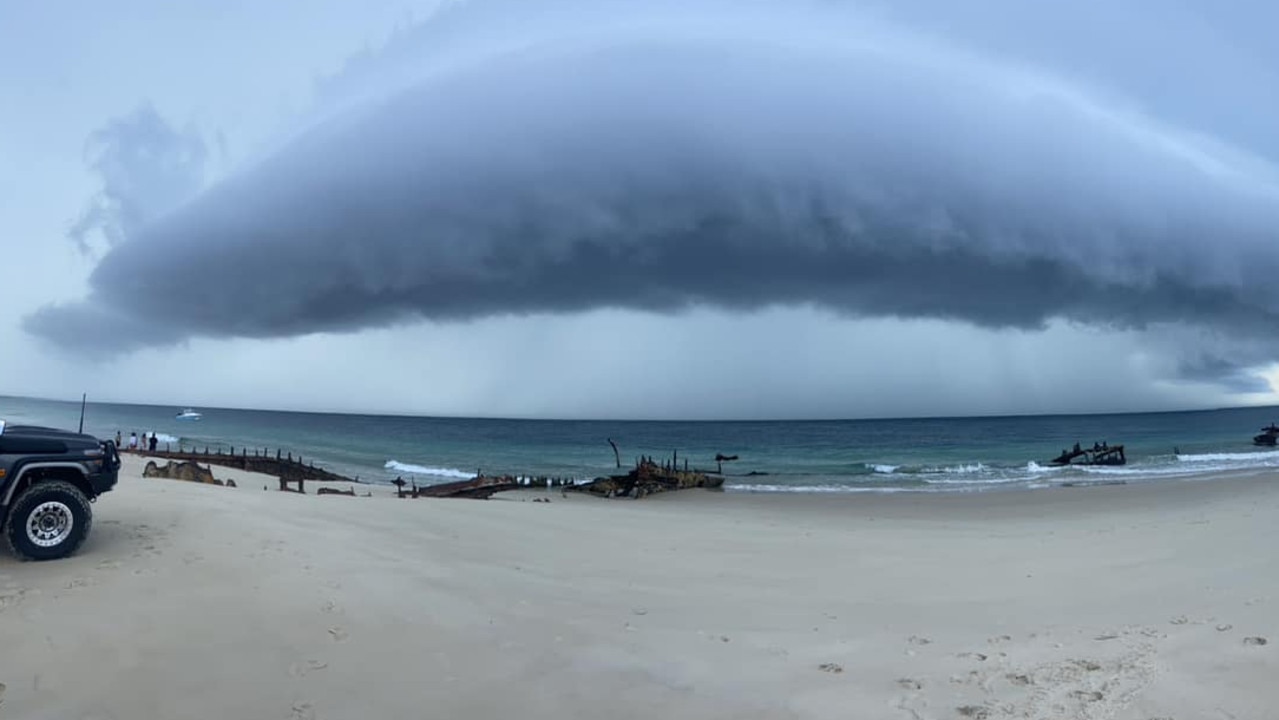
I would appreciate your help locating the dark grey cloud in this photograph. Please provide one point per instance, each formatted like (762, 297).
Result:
(509, 158)
(1223, 372)
(146, 167)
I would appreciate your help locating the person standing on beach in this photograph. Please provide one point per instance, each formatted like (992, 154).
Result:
(151, 443)
(133, 441)
(119, 442)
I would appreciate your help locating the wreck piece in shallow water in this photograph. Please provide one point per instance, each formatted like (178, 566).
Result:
(1098, 454)
(649, 477)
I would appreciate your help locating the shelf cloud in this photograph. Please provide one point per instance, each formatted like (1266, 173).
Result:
(495, 160)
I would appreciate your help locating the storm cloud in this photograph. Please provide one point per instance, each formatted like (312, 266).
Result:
(503, 159)
(146, 168)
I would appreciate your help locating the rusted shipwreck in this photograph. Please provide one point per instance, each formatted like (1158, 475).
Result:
(1268, 437)
(648, 477)
(282, 465)
(1098, 454)
(479, 487)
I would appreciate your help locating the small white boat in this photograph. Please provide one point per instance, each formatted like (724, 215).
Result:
(188, 414)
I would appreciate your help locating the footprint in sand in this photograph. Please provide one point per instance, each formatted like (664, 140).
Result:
(339, 634)
(1258, 641)
(3, 687)
(913, 702)
(833, 668)
(302, 711)
(301, 669)
(11, 596)
(330, 608)
(1085, 665)
(917, 640)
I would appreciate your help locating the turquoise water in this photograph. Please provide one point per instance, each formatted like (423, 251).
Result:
(818, 456)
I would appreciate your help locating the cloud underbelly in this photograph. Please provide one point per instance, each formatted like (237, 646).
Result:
(741, 169)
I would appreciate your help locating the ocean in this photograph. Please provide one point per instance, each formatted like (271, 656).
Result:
(910, 455)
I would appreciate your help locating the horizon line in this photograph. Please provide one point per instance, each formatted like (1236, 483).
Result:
(404, 414)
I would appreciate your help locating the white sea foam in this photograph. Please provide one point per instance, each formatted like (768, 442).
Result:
(819, 489)
(883, 469)
(410, 469)
(968, 469)
(165, 438)
(1144, 471)
(970, 480)
(1267, 456)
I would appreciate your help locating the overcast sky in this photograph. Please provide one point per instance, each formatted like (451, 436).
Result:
(595, 208)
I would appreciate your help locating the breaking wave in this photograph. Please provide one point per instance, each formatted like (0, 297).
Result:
(1249, 457)
(443, 472)
(968, 476)
(822, 488)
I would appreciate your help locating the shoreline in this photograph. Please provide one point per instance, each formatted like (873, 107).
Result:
(1010, 501)
(905, 455)
(1077, 482)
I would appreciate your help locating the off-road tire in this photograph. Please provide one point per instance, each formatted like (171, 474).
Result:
(52, 498)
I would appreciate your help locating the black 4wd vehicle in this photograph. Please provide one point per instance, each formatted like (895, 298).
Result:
(47, 480)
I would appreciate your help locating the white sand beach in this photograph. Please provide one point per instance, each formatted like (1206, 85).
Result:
(194, 601)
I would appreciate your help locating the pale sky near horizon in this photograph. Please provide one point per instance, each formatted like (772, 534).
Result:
(562, 208)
